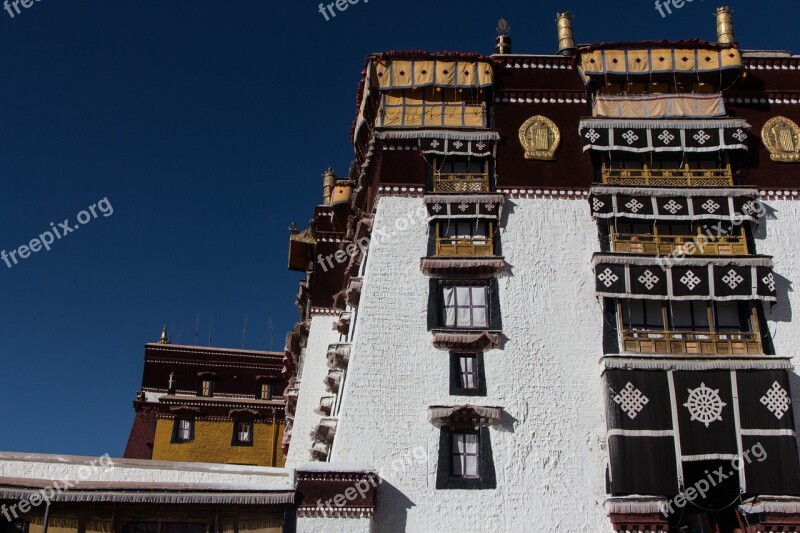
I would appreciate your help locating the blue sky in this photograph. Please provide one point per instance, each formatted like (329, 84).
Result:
(207, 126)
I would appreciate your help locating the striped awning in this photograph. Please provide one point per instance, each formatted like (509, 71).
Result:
(651, 278)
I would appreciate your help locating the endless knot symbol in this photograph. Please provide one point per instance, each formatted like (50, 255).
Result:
(702, 137)
(631, 400)
(592, 135)
(634, 205)
(648, 279)
(691, 280)
(608, 277)
(666, 137)
(630, 136)
(673, 207)
(732, 279)
(769, 281)
(711, 206)
(777, 400)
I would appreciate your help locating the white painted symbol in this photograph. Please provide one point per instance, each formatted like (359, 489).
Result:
(711, 206)
(597, 204)
(673, 207)
(691, 280)
(489, 207)
(732, 279)
(480, 146)
(463, 206)
(435, 144)
(740, 135)
(630, 137)
(634, 205)
(436, 208)
(666, 137)
(702, 137)
(592, 135)
(631, 400)
(777, 400)
(648, 279)
(705, 405)
(769, 281)
(458, 145)
(608, 277)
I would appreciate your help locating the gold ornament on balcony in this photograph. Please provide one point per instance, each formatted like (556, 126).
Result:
(781, 136)
(540, 137)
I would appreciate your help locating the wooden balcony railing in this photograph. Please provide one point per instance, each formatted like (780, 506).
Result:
(464, 247)
(691, 342)
(674, 177)
(461, 182)
(678, 244)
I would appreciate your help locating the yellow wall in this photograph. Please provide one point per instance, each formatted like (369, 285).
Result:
(212, 444)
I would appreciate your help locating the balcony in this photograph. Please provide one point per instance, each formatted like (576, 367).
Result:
(691, 342)
(678, 245)
(461, 182)
(673, 177)
(464, 247)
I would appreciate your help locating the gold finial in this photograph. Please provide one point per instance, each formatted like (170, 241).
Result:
(566, 36)
(724, 25)
(328, 183)
(503, 43)
(164, 337)
(503, 29)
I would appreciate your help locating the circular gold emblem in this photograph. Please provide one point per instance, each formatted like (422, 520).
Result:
(781, 136)
(540, 137)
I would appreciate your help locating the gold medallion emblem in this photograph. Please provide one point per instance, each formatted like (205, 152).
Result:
(781, 136)
(540, 137)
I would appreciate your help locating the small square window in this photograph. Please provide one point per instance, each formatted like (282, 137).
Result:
(243, 433)
(465, 455)
(184, 430)
(468, 371)
(467, 376)
(206, 388)
(465, 306)
(265, 391)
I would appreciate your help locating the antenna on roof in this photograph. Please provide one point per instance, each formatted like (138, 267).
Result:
(210, 323)
(197, 329)
(244, 331)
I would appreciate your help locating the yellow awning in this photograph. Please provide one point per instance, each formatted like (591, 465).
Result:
(415, 73)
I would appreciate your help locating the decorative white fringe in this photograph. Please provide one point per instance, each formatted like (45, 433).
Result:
(438, 134)
(627, 363)
(664, 124)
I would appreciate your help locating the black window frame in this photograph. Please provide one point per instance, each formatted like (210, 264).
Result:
(486, 306)
(436, 305)
(212, 386)
(260, 390)
(445, 480)
(235, 440)
(176, 438)
(456, 386)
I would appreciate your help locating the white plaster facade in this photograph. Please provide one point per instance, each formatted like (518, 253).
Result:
(778, 235)
(312, 372)
(549, 452)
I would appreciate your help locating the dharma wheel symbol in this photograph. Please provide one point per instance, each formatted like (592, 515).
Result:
(705, 405)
